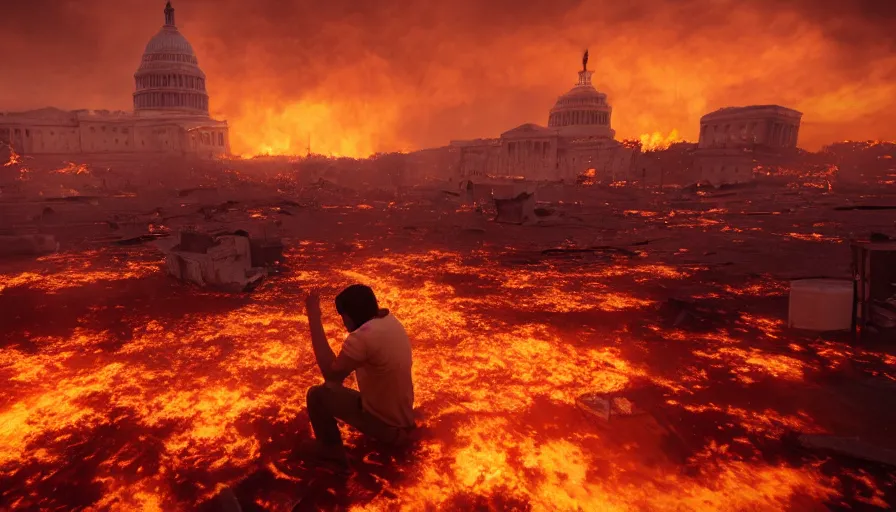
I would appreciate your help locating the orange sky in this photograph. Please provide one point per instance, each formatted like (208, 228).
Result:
(400, 74)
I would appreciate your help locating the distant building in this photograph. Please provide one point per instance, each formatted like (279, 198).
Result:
(578, 138)
(769, 126)
(734, 139)
(170, 112)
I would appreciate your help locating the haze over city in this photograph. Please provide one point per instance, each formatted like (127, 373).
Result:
(283, 256)
(401, 75)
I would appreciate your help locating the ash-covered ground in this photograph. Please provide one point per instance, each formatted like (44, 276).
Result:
(127, 389)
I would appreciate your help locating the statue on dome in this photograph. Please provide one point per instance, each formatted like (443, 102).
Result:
(169, 14)
(585, 60)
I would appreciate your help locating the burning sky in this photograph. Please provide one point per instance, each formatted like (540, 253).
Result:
(380, 76)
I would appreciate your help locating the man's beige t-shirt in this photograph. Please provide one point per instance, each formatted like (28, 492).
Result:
(384, 378)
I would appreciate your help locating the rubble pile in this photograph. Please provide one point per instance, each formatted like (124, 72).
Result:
(225, 262)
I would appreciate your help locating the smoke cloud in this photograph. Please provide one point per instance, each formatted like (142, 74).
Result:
(359, 77)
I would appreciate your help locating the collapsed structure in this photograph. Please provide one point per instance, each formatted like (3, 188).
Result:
(170, 117)
(733, 140)
(229, 261)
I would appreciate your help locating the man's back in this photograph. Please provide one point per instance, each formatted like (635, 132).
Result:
(382, 347)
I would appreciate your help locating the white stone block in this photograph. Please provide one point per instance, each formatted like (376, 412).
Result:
(821, 304)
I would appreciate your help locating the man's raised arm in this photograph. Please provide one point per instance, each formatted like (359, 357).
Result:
(334, 369)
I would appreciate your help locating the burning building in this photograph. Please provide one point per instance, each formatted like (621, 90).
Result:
(170, 116)
(733, 139)
(578, 138)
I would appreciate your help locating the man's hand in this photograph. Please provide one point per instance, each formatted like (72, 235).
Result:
(322, 351)
(312, 305)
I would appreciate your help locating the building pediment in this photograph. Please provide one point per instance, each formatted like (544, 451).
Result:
(528, 130)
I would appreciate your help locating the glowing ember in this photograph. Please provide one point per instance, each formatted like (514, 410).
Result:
(216, 393)
(814, 237)
(14, 157)
(72, 168)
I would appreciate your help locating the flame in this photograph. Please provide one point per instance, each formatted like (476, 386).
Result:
(14, 157)
(296, 128)
(178, 401)
(73, 168)
(657, 141)
(430, 86)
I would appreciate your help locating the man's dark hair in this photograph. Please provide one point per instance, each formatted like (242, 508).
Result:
(358, 303)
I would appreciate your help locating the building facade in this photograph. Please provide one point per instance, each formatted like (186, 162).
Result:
(768, 126)
(733, 140)
(578, 138)
(170, 115)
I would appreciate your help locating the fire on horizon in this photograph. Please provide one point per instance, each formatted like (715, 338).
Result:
(594, 325)
(404, 76)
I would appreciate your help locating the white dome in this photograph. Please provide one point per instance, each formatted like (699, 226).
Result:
(169, 78)
(169, 39)
(583, 111)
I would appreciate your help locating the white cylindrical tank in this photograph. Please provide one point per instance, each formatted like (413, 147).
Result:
(821, 304)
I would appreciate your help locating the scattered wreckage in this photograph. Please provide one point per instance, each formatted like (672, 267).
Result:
(27, 245)
(232, 262)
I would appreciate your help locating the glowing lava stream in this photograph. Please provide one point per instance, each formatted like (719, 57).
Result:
(186, 395)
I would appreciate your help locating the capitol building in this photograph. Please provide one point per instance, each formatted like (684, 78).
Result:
(170, 115)
(578, 140)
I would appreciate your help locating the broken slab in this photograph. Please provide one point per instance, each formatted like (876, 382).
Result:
(517, 210)
(266, 252)
(27, 245)
(226, 263)
(605, 406)
(852, 447)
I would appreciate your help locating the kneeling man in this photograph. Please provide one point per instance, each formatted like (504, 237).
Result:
(378, 350)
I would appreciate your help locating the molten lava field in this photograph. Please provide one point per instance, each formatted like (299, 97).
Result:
(126, 390)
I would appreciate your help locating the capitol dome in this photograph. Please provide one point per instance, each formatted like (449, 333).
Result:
(168, 79)
(583, 111)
